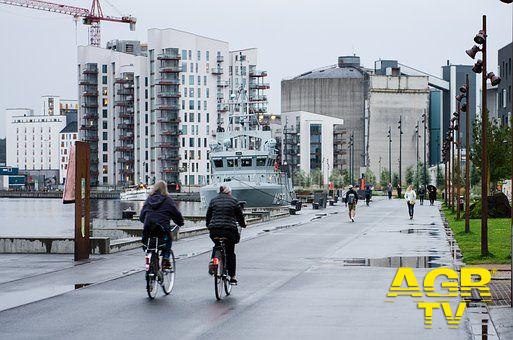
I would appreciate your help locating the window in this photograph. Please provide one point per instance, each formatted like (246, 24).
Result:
(191, 80)
(104, 91)
(183, 79)
(205, 106)
(199, 105)
(104, 80)
(184, 66)
(104, 68)
(246, 162)
(184, 55)
(218, 163)
(191, 92)
(105, 102)
(104, 136)
(185, 92)
(191, 104)
(183, 104)
(105, 158)
(207, 55)
(199, 55)
(184, 129)
(208, 92)
(199, 117)
(261, 161)
(191, 117)
(243, 70)
(199, 92)
(233, 162)
(145, 81)
(192, 67)
(191, 142)
(190, 54)
(104, 125)
(205, 80)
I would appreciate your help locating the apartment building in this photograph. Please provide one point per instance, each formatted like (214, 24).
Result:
(33, 138)
(67, 138)
(149, 111)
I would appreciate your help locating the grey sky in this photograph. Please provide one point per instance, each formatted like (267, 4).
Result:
(38, 49)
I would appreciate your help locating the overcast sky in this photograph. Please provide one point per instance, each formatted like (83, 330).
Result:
(38, 49)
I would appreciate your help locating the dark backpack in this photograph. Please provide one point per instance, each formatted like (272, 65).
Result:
(350, 198)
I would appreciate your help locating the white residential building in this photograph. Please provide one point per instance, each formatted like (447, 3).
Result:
(314, 135)
(148, 111)
(67, 137)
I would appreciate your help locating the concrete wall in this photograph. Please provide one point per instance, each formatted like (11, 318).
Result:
(392, 98)
(342, 98)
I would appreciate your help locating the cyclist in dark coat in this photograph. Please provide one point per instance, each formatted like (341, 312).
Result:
(158, 210)
(223, 214)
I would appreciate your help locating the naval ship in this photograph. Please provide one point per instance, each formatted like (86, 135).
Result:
(244, 157)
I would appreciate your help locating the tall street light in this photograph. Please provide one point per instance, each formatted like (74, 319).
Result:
(424, 120)
(417, 137)
(456, 119)
(389, 155)
(453, 164)
(465, 94)
(445, 155)
(400, 127)
(480, 67)
(511, 244)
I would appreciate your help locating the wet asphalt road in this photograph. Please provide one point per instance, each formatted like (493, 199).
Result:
(292, 284)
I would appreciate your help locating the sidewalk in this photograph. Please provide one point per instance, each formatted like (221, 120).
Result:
(26, 278)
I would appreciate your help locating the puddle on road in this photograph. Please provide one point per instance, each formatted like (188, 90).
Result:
(430, 232)
(396, 262)
(82, 285)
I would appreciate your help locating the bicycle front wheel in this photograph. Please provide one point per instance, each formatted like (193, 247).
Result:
(168, 281)
(151, 278)
(227, 286)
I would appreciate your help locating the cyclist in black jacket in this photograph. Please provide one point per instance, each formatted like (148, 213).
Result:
(223, 214)
(157, 212)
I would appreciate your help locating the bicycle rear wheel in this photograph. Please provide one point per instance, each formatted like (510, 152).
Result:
(151, 278)
(218, 277)
(168, 281)
(227, 285)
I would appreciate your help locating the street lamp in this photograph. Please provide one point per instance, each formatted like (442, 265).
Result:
(424, 120)
(400, 127)
(389, 155)
(511, 244)
(417, 137)
(457, 129)
(465, 107)
(480, 67)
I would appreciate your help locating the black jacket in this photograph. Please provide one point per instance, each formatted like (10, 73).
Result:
(352, 191)
(223, 213)
(160, 209)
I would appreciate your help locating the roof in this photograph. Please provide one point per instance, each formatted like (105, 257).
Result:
(71, 127)
(333, 72)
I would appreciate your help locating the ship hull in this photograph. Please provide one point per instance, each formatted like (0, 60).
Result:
(267, 195)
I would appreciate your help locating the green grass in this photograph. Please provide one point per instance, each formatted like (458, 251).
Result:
(499, 239)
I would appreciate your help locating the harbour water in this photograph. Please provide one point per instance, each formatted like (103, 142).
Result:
(22, 217)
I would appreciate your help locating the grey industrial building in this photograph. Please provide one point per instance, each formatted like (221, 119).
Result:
(504, 88)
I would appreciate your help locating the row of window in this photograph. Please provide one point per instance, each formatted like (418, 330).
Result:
(190, 92)
(187, 55)
(243, 161)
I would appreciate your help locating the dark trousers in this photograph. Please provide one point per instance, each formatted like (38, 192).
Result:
(421, 197)
(410, 209)
(229, 246)
(390, 195)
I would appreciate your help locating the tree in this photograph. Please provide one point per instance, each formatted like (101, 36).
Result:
(384, 178)
(370, 178)
(440, 180)
(410, 175)
(300, 179)
(498, 151)
(316, 178)
(337, 178)
(346, 176)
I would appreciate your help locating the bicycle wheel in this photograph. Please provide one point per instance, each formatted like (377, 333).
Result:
(227, 285)
(169, 276)
(151, 278)
(218, 277)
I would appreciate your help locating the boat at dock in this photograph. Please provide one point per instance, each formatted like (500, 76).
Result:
(135, 194)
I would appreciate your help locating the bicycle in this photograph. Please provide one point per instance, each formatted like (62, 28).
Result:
(155, 275)
(219, 270)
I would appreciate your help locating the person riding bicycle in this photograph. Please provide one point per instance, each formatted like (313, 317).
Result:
(158, 209)
(368, 194)
(223, 214)
(351, 202)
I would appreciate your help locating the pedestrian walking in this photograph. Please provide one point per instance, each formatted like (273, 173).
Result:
(368, 195)
(351, 202)
(431, 194)
(389, 191)
(410, 197)
(399, 190)
(422, 193)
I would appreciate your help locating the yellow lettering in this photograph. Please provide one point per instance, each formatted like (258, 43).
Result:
(404, 275)
(453, 319)
(428, 311)
(451, 286)
(473, 277)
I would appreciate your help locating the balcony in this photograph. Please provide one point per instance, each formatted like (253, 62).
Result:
(259, 86)
(90, 93)
(257, 73)
(170, 69)
(168, 170)
(90, 116)
(90, 70)
(126, 160)
(126, 148)
(126, 102)
(220, 95)
(168, 56)
(92, 105)
(168, 81)
(128, 137)
(91, 138)
(169, 120)
(258, 98)
(165, 107)
(258, 108)
(127, 171)
(89, 127)
(125, 91)
(125, 115)
(126, 126)
(169, 145)
(170, 157)
(222, 107)
(174, 132)
(169, 94)
(220, 59)
(217, 70)
(223, 83)
(88, 81)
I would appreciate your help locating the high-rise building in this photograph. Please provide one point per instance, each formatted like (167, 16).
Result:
(504, 88)
(67, 137)
(149, 111)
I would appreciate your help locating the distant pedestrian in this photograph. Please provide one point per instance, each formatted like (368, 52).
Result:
(368, 195)
(351, 202)
(422, 193)
(410, 197)
(432, 194)
(389, 191)
(399, 190)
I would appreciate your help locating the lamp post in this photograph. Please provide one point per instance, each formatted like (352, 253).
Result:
(458, 157)
(480, 67)
(511, 244)
(424, 120)
(351, 156)
(465, 94)
(389, 155)
(417, 137)
(400, 127)
(453, 169)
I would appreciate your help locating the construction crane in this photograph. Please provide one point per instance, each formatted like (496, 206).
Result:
(91, 17)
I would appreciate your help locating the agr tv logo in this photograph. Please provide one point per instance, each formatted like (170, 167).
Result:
(442, 284)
